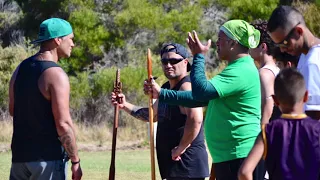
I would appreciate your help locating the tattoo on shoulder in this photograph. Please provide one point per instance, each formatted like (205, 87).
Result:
(140, 113)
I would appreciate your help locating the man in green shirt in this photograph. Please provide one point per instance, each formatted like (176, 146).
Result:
(233, 97)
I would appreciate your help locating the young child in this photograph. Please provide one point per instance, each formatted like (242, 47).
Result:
(290, 144)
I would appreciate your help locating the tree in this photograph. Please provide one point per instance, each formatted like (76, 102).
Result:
(10, 14)
(90, 35)
(36, 11)
(311, 15)
(249, 10)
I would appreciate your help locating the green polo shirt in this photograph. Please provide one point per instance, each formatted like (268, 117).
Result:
(233, 120)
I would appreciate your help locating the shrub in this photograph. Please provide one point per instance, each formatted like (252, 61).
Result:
(309, 11)
(10, 57)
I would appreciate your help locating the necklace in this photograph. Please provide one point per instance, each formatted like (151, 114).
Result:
(39, 56)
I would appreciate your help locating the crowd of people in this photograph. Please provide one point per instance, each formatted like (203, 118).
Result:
(260, 122)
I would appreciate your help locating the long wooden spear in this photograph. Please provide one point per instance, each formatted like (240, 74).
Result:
(117, 88)
(149, 64)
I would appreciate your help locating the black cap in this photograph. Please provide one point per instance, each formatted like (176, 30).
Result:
(178, 49)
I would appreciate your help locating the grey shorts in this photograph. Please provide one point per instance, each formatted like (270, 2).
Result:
(40, 170)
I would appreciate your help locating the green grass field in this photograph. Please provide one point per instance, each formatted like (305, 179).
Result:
(95, 165)
(130, 164)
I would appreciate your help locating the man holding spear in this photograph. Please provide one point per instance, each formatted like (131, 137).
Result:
(233, 97)
(181, 151)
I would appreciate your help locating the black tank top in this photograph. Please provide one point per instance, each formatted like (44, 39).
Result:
(171, 122)
(34, 132)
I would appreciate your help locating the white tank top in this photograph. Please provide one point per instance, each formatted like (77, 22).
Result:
(274, 69)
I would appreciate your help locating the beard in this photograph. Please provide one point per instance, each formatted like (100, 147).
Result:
(171, 76)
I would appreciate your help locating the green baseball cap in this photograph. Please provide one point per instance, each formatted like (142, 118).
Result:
(53, 28)
(242, 32)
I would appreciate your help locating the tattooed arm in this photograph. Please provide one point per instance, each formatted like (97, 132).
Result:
(141, 113)
(57, 85)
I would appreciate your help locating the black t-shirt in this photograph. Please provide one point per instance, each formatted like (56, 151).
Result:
(194, 161)
(35, 136)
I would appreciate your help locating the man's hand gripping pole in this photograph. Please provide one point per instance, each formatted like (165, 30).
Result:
(117, 89)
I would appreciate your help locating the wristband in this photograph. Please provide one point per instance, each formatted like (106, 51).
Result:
(77, 162)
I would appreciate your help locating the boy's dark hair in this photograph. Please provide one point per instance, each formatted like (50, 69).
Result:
(289, 87)
(285, 57)
(284, 17)
(261, 25)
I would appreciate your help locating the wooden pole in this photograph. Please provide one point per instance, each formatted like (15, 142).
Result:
(149, 65)
(116, 89)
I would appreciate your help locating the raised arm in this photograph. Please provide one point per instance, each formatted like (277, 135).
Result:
(202, 89)
(191, 129)
(59, 89)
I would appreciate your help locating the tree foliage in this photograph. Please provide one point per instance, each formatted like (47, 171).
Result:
(166, 23)
(10, 58)
(36, 11)
(311, 13)
(109, 32)
(90, 35)
(10, 15)
(116, 33)
(249, 10)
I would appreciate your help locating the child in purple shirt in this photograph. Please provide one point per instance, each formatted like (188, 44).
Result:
(290, 144)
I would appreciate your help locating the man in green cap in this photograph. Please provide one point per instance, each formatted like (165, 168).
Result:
(43, 133)
(233, 97)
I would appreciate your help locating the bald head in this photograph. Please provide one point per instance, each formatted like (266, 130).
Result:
(285, 17)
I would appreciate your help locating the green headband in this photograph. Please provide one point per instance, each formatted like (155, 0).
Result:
(242, 32)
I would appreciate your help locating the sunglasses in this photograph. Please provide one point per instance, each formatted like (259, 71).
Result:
(285, 43)
(172, 61)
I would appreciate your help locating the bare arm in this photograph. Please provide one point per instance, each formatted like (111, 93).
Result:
(250, 163)
(11, 91)
(191, 129)
(59, 88)
(267, 83)
(57, 83)
(141, 113)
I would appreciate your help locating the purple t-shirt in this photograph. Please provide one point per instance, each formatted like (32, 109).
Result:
(293, 148)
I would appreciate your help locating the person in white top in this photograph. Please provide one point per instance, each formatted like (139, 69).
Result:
(265, 55)
(288, 29)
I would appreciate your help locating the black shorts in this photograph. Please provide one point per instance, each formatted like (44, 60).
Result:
(228, 170)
